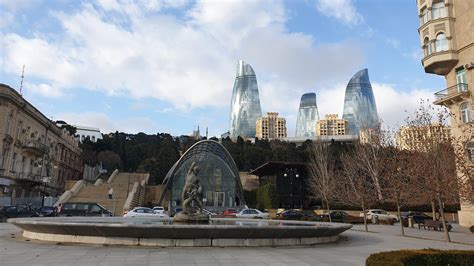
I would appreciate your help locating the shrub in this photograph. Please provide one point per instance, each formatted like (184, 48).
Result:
(432, 257)
(267, 197)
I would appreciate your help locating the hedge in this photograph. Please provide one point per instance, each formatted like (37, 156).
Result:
(432, 257)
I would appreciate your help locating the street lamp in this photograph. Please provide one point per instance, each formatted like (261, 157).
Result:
(291, 173)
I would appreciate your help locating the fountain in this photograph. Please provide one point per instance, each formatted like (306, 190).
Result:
(190, 227)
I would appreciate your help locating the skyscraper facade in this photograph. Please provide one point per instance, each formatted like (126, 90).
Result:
(307, 116)
(360, 110)
(245, 103)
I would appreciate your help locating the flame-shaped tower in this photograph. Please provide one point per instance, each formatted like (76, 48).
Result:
(307, 116)
(245, 103)
(359, 103)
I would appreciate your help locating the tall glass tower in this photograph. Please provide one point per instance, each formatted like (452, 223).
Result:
(307, 116)
(245, 103)
(359, 103)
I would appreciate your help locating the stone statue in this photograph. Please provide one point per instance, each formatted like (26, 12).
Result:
(191, 193)
(192, 190)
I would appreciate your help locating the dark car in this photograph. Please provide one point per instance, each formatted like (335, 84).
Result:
(16, 212)
(418, 217)
(290, 215)
(46, 211)
(341, 217)
(83, 209)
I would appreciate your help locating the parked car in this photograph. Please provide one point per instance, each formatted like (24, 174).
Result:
(144, 212)
(252, 213)
(159, 209)
(208, 212)
(230, 212)
(290, 215)
(418, 217)
(16, 212)
(341, 217)
(83, 209)
(47, 211)
(380, 214)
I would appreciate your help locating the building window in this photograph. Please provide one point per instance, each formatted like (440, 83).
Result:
(461, 79)
(465, 112)
(93, 138)
(13, 163)
(438, 10)
(424, 16)
(427, 46)
(470, 151)
(441, 42)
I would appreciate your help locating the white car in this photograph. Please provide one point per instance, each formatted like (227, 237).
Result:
(380, 214)
(159, 209)
(252, 213)
(144, 212)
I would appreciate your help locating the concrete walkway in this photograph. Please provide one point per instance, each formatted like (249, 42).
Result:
(352, 249)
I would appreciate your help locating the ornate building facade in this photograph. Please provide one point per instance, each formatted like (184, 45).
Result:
(36, 156)
(331, 125)
(447, 40)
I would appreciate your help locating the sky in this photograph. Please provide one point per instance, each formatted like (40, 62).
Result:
(169, 65)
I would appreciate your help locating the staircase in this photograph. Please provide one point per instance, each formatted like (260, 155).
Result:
(122, 184)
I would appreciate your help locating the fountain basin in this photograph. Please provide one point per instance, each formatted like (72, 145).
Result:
(150, 231)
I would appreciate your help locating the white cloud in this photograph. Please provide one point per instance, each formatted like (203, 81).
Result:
(44, 90)
(188, 61)
(342, 10)
(107, 124)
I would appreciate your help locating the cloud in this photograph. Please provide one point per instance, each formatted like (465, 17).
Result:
(341, 10)
(107, 124)
(134, 49)
(43, 89)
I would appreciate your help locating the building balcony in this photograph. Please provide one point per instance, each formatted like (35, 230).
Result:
(452, 94)
(35, 147)
(440, 63)
(21, 176)
(8, 138)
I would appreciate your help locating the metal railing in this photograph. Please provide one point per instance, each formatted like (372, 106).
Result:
(460, 87)
(36, 145)
(29, 176)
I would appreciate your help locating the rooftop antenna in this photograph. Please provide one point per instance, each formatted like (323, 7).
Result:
(206, 132)
(22, 77)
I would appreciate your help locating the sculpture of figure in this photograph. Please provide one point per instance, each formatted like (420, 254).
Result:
(192, 190)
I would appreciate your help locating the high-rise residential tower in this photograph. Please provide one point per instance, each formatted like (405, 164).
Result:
(245, 103)
(360, 110)
(307, 116)
(447, 40)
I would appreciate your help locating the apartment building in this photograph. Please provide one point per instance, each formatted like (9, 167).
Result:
(447, 40)
(36, 156)
(331, 125)
(271, 127)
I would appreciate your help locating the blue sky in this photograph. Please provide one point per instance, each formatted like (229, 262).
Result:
(167, 66)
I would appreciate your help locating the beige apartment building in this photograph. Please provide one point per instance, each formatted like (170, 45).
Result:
(331, 125)
(271, 127)
(36, 156)
(447, 39)
(415, 138)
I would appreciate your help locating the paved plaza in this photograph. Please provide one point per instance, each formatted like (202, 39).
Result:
(352, 249)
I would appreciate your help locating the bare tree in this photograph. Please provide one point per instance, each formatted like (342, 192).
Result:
(437, 178)
(399, 179)
(356, 185)
(322, 171)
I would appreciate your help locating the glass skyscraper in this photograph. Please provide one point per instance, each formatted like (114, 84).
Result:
(307, 116)
(245, 103)
(360, 110)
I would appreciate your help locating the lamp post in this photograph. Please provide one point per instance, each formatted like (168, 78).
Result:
(292, 173)
(112, 197)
